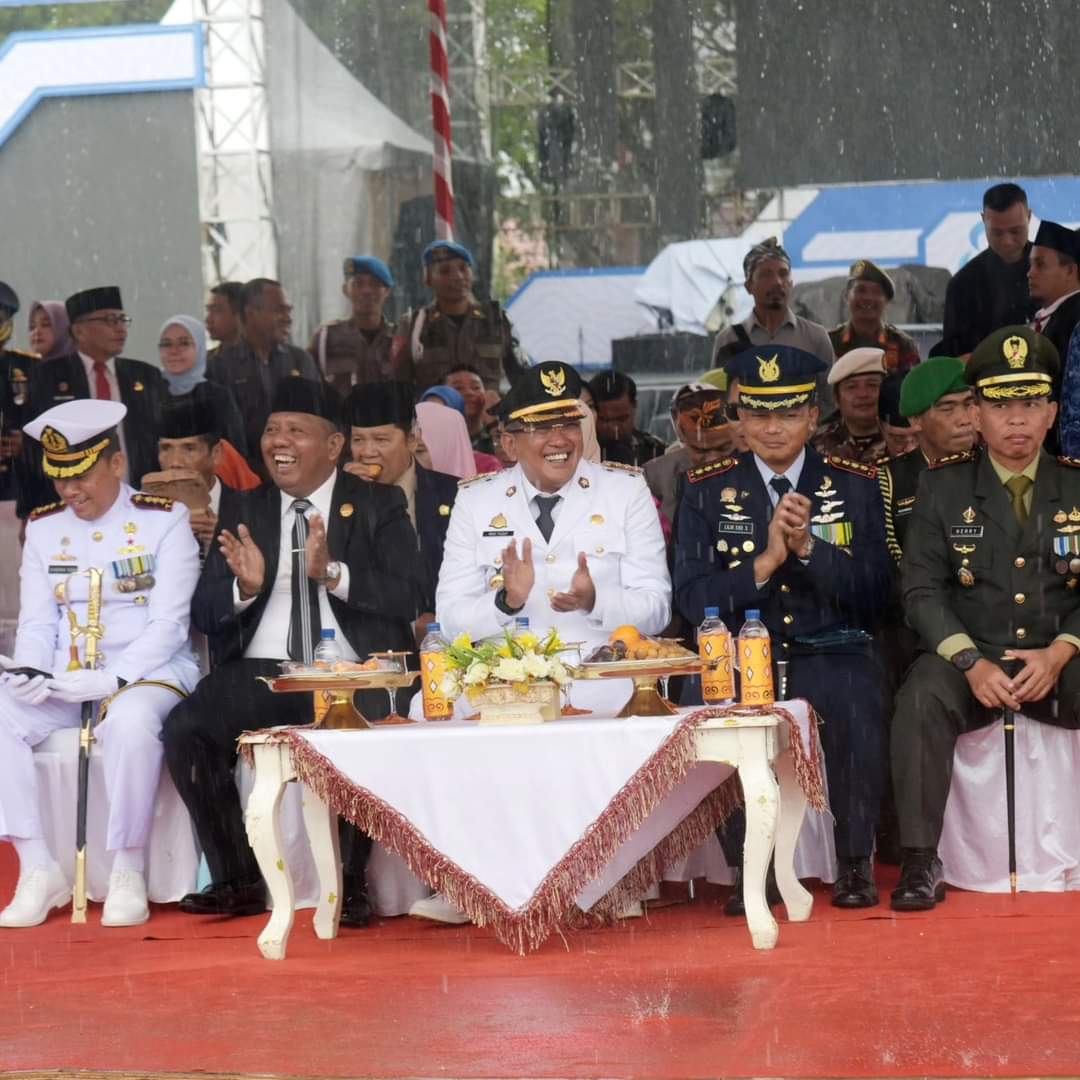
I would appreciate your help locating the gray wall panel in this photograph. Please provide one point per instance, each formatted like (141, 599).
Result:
(102, 190)
(838, 91)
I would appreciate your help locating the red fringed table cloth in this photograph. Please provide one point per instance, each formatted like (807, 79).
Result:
(523, 828)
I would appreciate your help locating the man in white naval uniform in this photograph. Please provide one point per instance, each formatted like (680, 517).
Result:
(567, 543)
(150, 562)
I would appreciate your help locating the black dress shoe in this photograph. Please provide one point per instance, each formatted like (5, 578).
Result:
(226, 898)
(355, 910)
(855, 887)
(922, 882)
(735, 904)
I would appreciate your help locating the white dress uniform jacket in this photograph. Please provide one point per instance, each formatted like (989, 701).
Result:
(606, 512)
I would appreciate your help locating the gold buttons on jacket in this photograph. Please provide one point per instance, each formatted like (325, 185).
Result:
(789, 619)
(549, 557)
(1018, 562)
(1021, 634)
(600, 550)
(1019, 598)
(785, 588)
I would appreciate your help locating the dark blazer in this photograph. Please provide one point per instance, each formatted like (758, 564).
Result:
(723, 524)
(981, 297)
(239, 369)
(142, 390)
(435, 495)
(368, 530)
(1061, 325)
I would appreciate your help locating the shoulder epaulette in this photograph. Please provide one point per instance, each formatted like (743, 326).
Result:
(618, 466)
(151, 502)
(953, 459)
(44, 511)
(1072, 462)
(22, 354)
(716, 468)
(856, 467)
(476, 479)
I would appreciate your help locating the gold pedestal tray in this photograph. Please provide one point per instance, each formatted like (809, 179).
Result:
(646, 699)
(343, 713)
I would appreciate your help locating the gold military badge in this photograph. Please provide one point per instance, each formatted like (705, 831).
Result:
(1015, 350)
(53, 441)
(554, 381)
(769, 370)
(968, 515)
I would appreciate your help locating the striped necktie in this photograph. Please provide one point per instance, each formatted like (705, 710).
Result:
(304, 619)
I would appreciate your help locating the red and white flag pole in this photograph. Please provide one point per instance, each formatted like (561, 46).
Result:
(440, 114)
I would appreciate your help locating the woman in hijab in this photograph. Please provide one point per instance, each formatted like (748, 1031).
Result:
(182, 349)
(445, 444)
(447, 395)
(49, 329)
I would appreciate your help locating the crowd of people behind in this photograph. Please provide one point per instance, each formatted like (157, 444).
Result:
(907, 530)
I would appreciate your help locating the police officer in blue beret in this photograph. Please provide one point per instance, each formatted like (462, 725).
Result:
(456, 328)
(356, 351)
(801, 537)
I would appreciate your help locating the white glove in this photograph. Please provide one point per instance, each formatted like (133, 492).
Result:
(79, 686)
(29, 691)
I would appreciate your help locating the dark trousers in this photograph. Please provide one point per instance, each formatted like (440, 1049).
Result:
(847, 690)
(200, 750)
(934, 707)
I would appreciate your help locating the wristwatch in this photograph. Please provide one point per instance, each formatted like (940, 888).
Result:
(333, 573)
(966, 659)
(503, 606)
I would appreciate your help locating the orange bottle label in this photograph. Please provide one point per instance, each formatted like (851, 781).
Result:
(718, 679)
(755, 666)
(437, 706)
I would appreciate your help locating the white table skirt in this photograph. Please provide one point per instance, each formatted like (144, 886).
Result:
(974, 844)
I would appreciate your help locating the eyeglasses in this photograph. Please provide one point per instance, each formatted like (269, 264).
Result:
(108, 320)
(538, 431)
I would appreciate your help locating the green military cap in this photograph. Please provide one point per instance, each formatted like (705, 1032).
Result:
(927, 383)
(865, 270)
(1013, 362)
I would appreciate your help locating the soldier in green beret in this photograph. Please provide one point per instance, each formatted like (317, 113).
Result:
(990, 573)
(869, 292)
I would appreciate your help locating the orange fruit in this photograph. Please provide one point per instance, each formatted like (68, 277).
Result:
(628, 635)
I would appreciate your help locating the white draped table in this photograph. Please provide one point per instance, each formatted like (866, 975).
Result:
(524, 828)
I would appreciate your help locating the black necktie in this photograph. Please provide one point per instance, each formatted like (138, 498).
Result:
(781, 485)
(304, 620)
(545, 522)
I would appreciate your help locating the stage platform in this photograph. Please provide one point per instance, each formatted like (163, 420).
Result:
(983, 986)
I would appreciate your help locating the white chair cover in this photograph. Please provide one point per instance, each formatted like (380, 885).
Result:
(974, 843)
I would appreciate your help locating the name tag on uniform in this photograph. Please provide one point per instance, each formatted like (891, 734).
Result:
(740, 528)
(498, 532)
(965, 532)
(62, 568)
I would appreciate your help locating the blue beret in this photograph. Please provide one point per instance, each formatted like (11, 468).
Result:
(368, 264)
(455, 251)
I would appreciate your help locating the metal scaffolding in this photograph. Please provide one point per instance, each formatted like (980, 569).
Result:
(233, 131)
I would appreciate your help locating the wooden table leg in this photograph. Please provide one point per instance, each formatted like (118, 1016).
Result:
(322, 834)
(272, 771)
(762, 797)
(792, 811)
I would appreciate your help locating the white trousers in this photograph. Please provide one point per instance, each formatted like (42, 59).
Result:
(128, 740)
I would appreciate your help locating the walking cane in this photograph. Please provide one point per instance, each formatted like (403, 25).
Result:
(1008, 719)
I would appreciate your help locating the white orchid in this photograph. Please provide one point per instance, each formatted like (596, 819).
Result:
(509, 670)
(477, 674)
(536, 667)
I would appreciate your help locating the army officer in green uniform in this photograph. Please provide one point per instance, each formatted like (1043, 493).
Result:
(990, 572)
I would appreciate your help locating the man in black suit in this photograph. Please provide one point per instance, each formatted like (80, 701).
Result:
(1054, 282)
(254, 366)
(257, 610)
(990, 290)
(96, 370)
(380, 419)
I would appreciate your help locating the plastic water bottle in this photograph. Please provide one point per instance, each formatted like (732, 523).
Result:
(433, 656)
(521, 624)
(714, 647)
(755, 661)
(328, 651)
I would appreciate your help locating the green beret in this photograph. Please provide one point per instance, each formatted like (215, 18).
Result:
(1013, 363)
(926, 383)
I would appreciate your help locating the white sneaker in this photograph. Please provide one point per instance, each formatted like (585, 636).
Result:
(126, 903)
(438, 909)
(40, 889)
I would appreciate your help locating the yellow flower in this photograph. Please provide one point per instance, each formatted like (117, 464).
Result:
(527, 641)
(504, 651)
(463, 641)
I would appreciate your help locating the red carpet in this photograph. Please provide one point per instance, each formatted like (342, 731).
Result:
(983, 986)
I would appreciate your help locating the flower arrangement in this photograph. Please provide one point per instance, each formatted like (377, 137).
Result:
(518, 661)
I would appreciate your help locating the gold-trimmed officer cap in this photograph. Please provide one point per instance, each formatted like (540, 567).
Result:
(547, 391)
(74, 434)
(776, 377)
(1013, 363)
